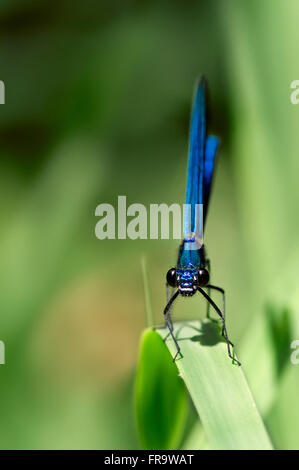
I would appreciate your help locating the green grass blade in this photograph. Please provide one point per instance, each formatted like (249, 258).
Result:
(147, 297)
(218, 388)
(161, 398)
(196, 440)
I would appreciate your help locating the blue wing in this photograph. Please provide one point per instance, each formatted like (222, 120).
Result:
(201, 162)
(212, 145)
(193, 219)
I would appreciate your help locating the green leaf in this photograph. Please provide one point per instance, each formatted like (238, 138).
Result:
(218, 388)
(161, 398)
(196, 439)
(147, 295)
(268, 338)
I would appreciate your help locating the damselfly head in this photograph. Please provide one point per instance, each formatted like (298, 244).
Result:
(187, 279)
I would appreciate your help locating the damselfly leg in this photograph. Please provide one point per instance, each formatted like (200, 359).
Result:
(169, 324)
(219, 289)
(169, 291)
(222, 316)
(208, 264)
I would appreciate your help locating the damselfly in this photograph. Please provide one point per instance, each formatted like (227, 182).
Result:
(191, 274)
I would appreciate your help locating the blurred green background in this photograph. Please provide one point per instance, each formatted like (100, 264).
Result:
(98, 101)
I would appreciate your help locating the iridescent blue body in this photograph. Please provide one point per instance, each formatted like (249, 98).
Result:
(189, 262)
(202, 152)
(191, 274)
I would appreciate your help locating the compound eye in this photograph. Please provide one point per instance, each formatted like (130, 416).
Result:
(203, 277)
(171, 277)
